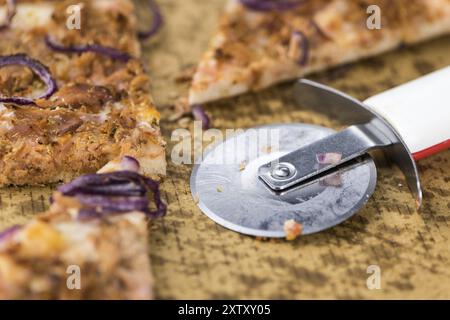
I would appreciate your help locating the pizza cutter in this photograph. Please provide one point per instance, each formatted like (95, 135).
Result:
(257, 180)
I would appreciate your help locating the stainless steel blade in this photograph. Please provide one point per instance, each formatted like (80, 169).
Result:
(369, 131)
(350, 143)
(233, 196)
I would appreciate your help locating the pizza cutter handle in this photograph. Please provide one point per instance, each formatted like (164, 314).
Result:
(420, 111)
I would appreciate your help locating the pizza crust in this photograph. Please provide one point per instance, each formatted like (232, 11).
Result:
(250, 50)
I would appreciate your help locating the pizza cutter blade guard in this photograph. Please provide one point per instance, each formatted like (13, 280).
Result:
(255, 181)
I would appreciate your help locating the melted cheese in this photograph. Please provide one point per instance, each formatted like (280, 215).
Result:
(40, 239)
(6, 117)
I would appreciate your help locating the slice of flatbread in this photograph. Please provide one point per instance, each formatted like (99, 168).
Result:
(57, 257)
(102, 110)
(90, 244)
(254, 49)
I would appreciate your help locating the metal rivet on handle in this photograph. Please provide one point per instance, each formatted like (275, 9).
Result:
(283, 171)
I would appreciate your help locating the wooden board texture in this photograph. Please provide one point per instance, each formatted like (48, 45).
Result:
(192, 257)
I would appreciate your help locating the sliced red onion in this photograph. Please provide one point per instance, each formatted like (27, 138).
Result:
(200, 115)
(115, 192)
(96, 48)
(304, 47)
(10, 13)
(328, 158)
(157, 21)
(129, 164)
(114, 204)
(271, 5)
(122, 189)
(17, 100)
(9, 232)
(38, 68)
(122, 182)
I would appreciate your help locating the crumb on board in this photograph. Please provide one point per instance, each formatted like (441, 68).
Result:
(292, 229)
(219, 189)
(267, 149)
(242, 165)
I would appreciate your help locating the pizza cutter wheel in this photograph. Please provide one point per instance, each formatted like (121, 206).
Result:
(235, 197)
(255, 181)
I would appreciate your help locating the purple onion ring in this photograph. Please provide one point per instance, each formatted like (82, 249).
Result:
(129, 163)
(200, 115)
(304, 46)
(114, 204)
(96, 48)
(272, 5)
(119, 189)
(115, 192)
(157, 21)
(9, 232)
(38, 68)
(10, 13)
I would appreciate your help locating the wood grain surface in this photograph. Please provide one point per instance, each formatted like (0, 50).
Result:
(192, 257)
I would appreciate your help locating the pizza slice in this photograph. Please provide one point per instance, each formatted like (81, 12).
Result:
(73, 98)
(263, 42)
(108, 255)
(91, 244)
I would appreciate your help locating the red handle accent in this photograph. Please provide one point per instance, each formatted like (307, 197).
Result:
(431, 150)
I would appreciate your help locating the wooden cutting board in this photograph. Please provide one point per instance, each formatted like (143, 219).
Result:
(194, 258)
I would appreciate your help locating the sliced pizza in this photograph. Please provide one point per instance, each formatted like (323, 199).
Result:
(43, 259)
(263, 42)
(91, 244)
(73, 93)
